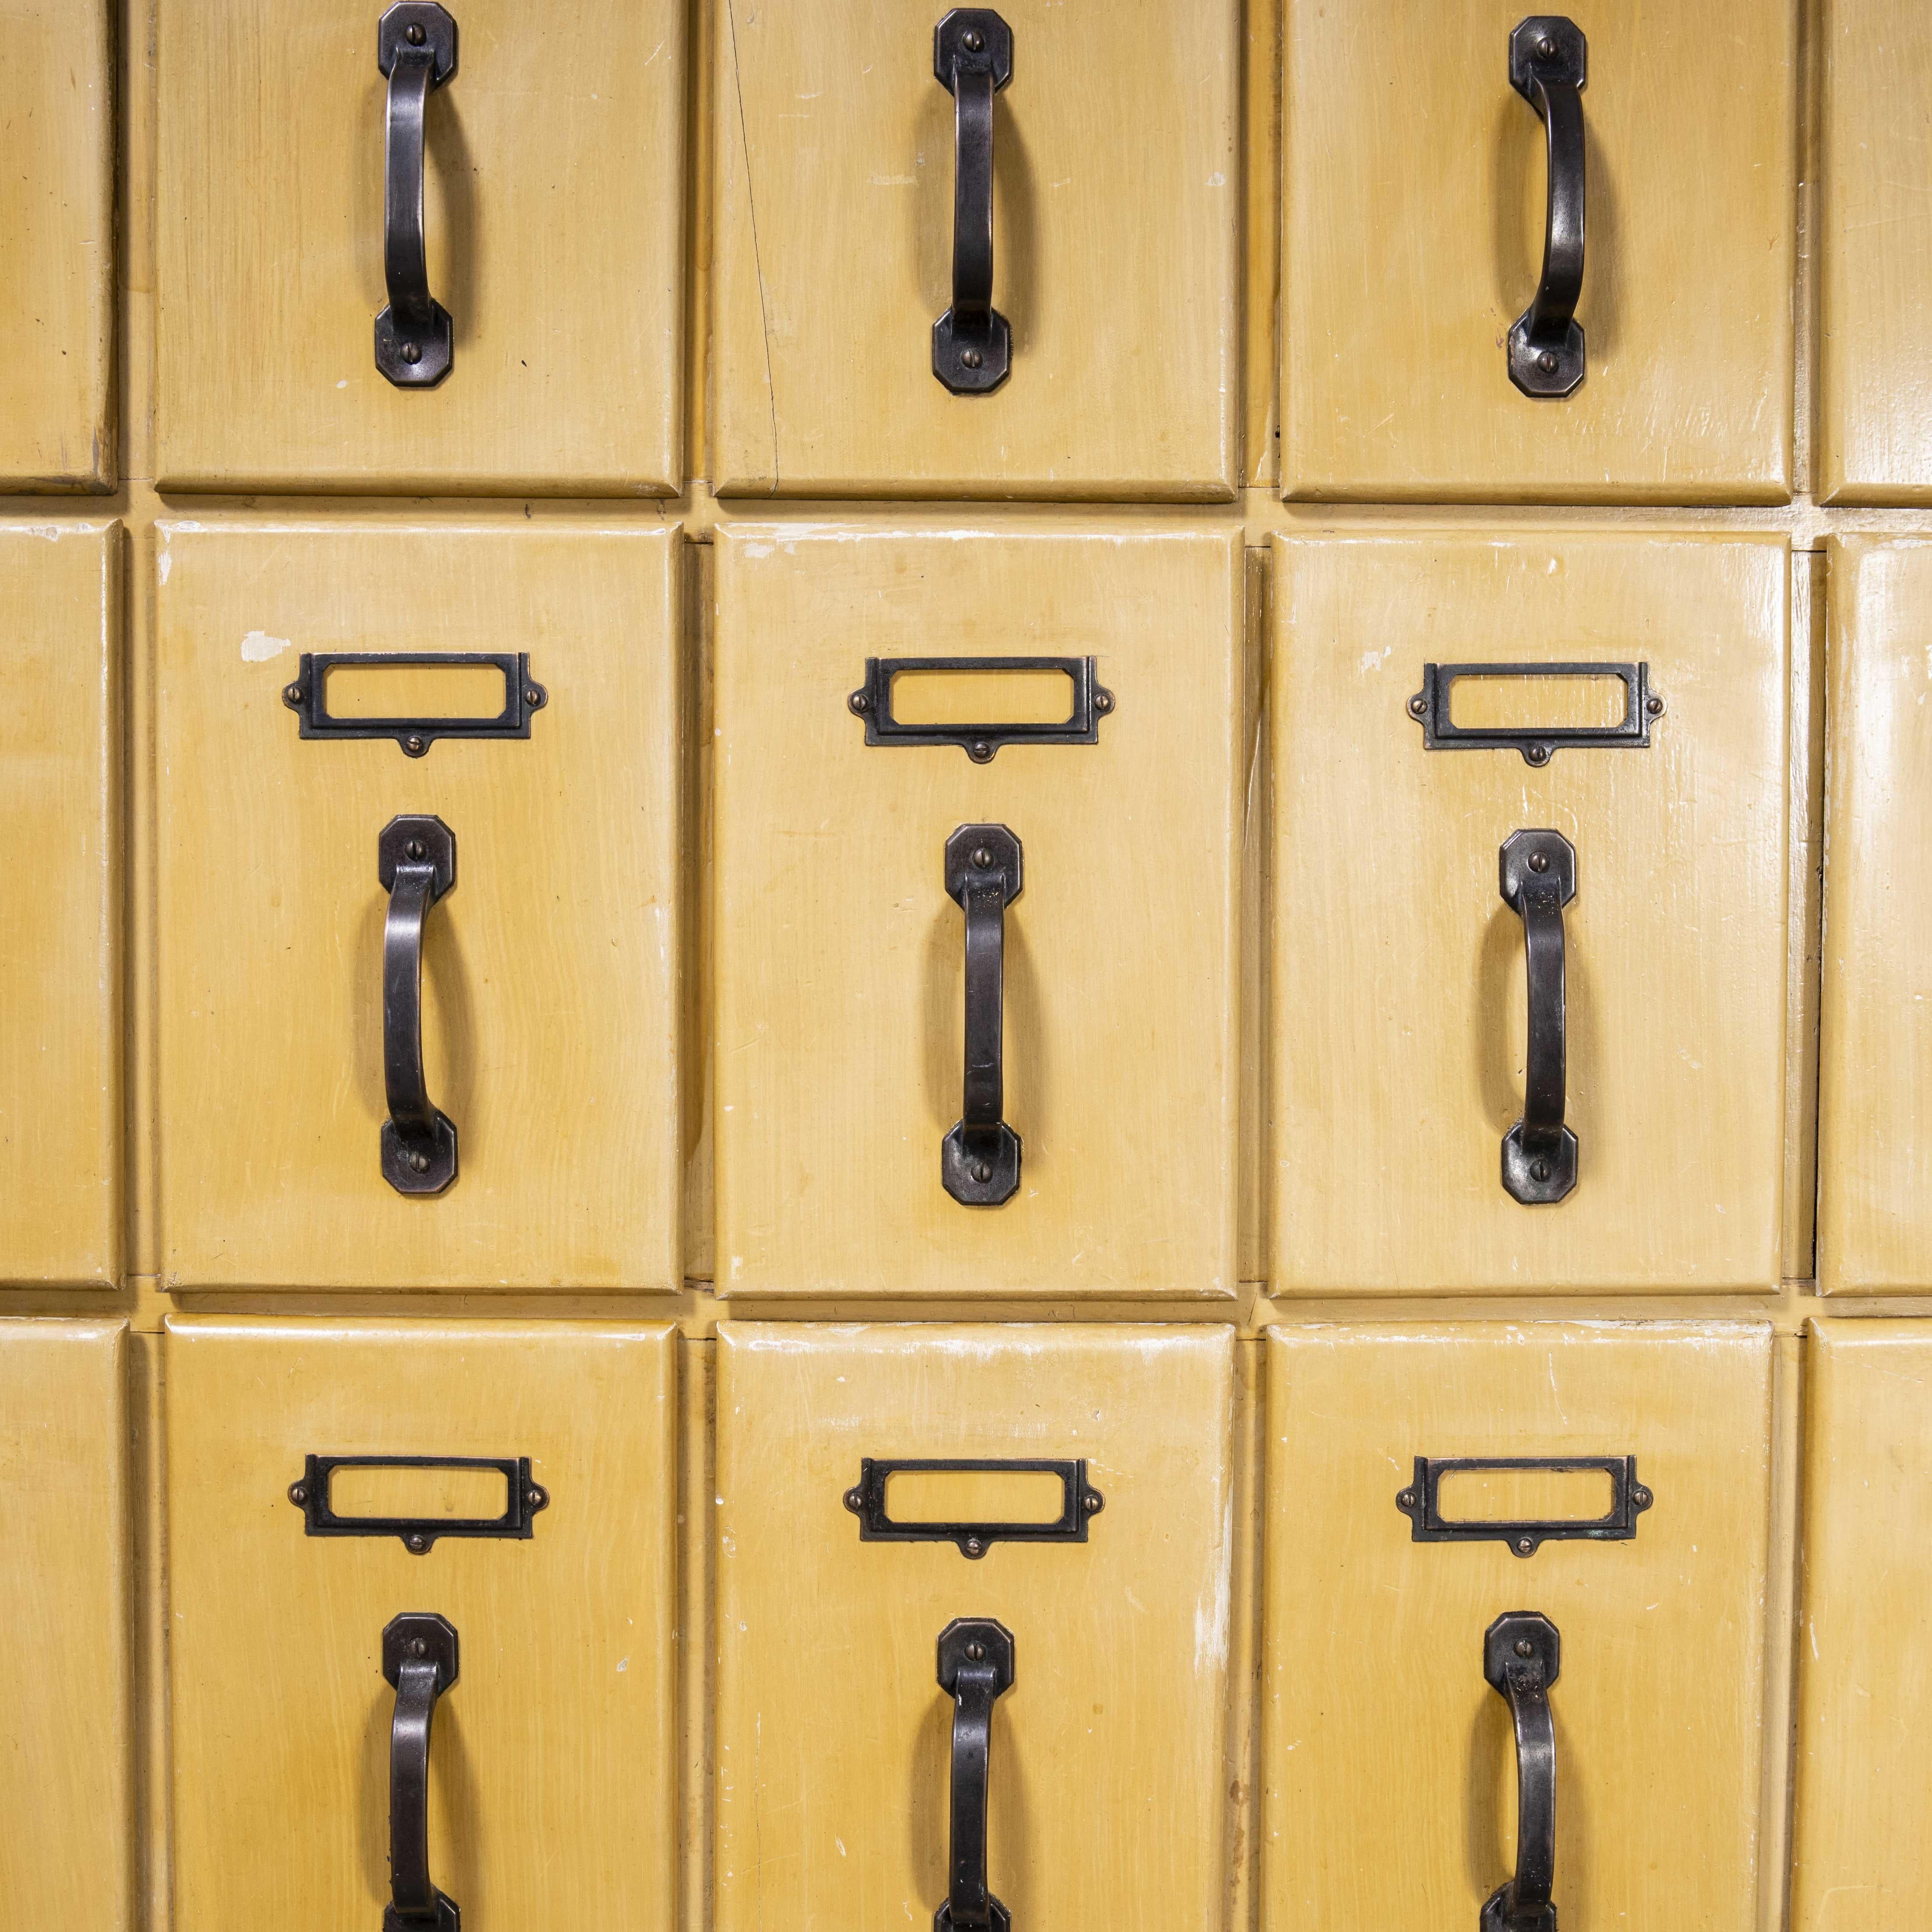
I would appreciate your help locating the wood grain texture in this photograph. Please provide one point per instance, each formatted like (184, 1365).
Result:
(554, 205)
(1413, 210)
(1875, 1051)
(67, 1736)
(550, 973)
(1862, 1861)
(1399, 1004)
(1389, 1772)
(552, 1781)
(1117, 212)
(57, 325)
(838, 953)
(61, 1126)
(1107, 1768)
(1874, 215)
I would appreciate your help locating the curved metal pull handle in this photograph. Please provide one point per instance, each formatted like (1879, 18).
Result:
(1548, 65)
(972, 59)
(980, 1159)
(419, 1659)
(1521, 1654)
(975, 1666)
(416, 49)
(416, 859)
(1538, 879)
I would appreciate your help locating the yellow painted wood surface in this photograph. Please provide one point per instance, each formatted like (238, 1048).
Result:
(551, 1769)
(1861, 1860)
(1388, 1769)
(1413, 208)
(839, 1040)
(1875, 1054)
(1117, 211)
(549, 973)
(554, 207)
(57, 324)
(67, 1718)
(1399, 1008)
(1108, 1762)
(1874, 436)
(62, 1127)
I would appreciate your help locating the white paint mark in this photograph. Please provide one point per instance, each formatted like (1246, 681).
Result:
(623, 1664)
(258, 647)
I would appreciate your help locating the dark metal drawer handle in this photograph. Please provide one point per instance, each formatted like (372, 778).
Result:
(975, 1666)
(1538, 879)
(419, 1659)
(416, 859)
(972, 59)
(1521, 1654)
(980, 1159)
(416, 50)
(1548, 65)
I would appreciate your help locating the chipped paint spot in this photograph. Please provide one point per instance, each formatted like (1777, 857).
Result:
(258, 647)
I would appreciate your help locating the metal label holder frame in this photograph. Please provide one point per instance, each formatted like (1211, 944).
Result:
(1429, 707)
(1420, 1502)
(873, 702)
(523, 1498)
(522, 698)
(1078, 1503)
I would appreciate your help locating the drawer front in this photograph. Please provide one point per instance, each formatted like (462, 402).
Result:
(1415, 199)
(550, 1769)
(66, 1857)
(841, 1758)
(1864, 1781)
(1874, 217)
(1404, 1012)
(57, 239)
(1391, 1761)
(544, 1030)
(60, 1100)
(1115, 189)
(1105, 1158)
(565, 300)
(1875, 1053)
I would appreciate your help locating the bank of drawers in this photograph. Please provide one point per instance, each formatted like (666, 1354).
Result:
(1412, 200)
(1435, 1503)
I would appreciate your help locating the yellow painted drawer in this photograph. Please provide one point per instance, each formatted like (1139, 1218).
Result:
(548, 971)
(62, 1120)
(1116, 210)
(66, 1857)
(553, 197)
(550, 1769)
(1401, 1006)
(57, 324)
(1389, 1761)
(1864, 1697)
(1413, 210)
(837, 1746)
(840, 1017)
(1875, 1054)
(1874, 217)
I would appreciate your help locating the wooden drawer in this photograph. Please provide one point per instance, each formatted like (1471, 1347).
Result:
(553, 199)
(546, 1023)
(1116, 208)
(549, 1758)
(1414, 213)
(1390, 1759)
(839, 1751)
(845, 851)
(62, 1119)
(57, 237)
(1627, 694)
